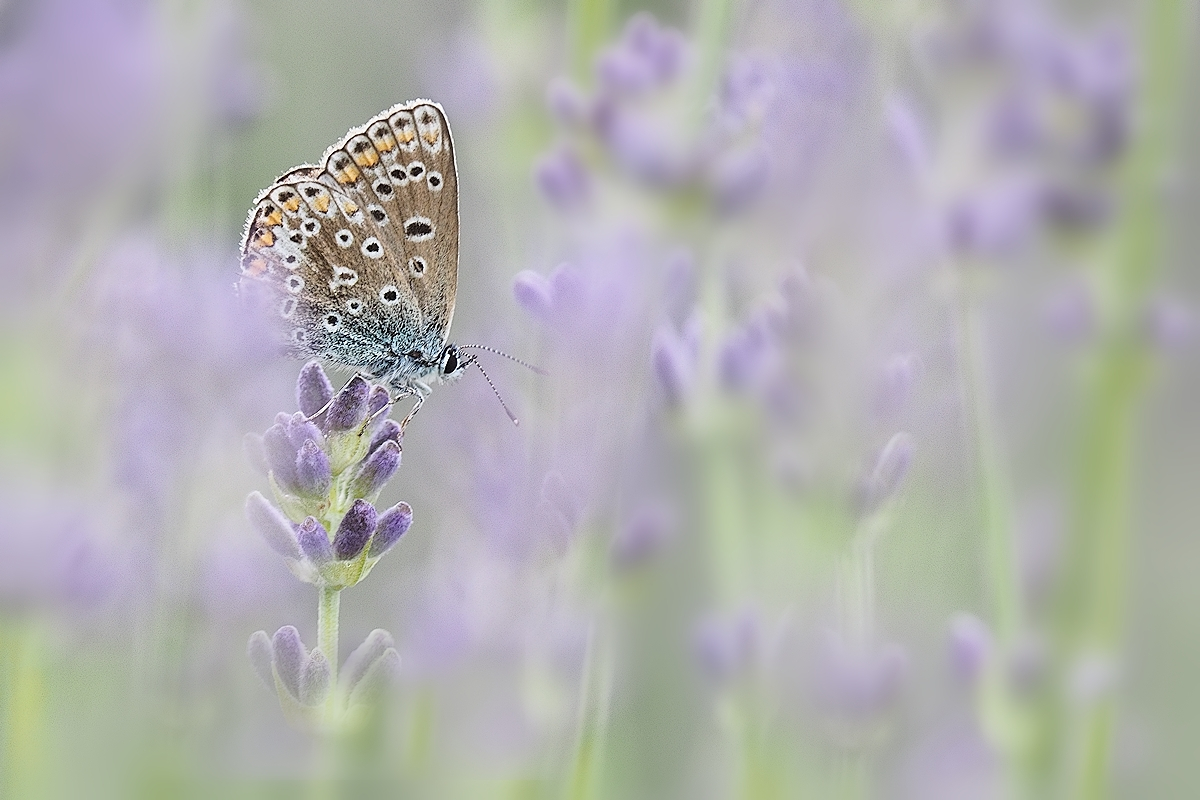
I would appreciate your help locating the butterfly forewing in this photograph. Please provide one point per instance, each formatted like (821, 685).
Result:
(358, 256)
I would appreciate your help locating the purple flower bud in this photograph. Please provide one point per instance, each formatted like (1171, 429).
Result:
(288, 658)
(673, 363)
(562, 178)
(256, 453)
(349, 408)
(859, 683)
(891, 467)
(392, 525)
(970, 646)
(389, 431)
(258, 650)
(619, 71)
(378, 677)
(642, 536)
(314, 679)
(364, 657)
(376, 470)
(376, 402)
(313, 475)
(533, 293)
(995, 222)
(565, 102)
(272, 525)
(355, 530)
(568, 287)
(301, 429)
(314, 541)
(281, 455)
(313, 389)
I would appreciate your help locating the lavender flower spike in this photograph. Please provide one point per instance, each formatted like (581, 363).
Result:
(355, 530)
(392, 525)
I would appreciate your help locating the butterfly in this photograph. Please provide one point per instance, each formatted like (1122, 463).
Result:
(357, 256)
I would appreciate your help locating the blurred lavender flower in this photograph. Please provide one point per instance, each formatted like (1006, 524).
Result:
(727, 646)
(642, 536)
(325, 479)
(970, 646)
(889, 471)
(303, 679)
(855, 685)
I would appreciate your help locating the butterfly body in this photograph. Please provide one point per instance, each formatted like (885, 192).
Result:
(357, 257)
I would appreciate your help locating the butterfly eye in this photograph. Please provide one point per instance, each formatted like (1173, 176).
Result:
(451, 363)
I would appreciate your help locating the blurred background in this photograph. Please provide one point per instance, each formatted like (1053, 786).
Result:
(866, 465)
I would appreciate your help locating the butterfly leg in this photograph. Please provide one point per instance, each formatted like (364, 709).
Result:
(418, 390)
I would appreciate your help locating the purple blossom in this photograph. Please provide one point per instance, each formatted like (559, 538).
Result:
(349, 407)
(355, 530)
(377, 469)
(562, 178)
(393, 524)
(313, 390)
(970, 646)
(314, 541)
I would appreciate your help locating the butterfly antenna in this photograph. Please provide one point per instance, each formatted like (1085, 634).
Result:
(524, 364)
(495, 391)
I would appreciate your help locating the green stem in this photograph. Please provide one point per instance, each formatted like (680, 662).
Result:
(1092, 614)
(327, 640)
(588, 26)
(995, 500)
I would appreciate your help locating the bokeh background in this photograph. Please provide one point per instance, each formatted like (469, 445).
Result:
(866, 465)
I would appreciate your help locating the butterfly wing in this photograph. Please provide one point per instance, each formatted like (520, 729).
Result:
(358, 256)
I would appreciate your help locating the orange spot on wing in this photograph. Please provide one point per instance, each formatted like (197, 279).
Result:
(350, 207)
(265, 238)
(407, 136)
(367, 158)
(273, 218)
(385, 143)
(321, 203)
(432, 137)
(348, 175)
(254, 266)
